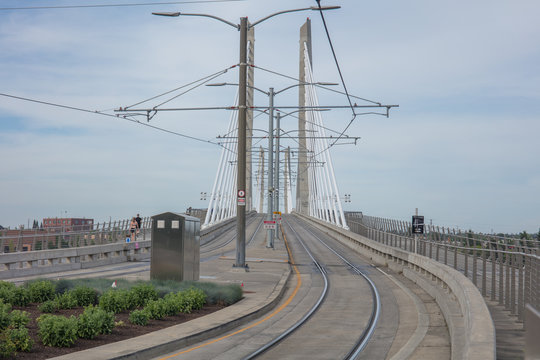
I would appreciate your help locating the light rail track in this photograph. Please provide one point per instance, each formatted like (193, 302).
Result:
(363, 339)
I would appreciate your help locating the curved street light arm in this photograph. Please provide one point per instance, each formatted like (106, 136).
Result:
(234, 84)
(294, 10)
(175, 14)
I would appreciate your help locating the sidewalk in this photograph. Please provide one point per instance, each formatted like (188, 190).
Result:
(264, 284)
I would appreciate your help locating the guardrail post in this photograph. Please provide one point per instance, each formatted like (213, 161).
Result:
(466, 251)
(527, 287)
(475, 263)
(507, 283)
(513, 285)
(520, 305)
(493, 258)
(501, 258)
(484, 271)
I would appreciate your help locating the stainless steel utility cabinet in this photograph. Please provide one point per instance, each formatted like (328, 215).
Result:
(175, 247)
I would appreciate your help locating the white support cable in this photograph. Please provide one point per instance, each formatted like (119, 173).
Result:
(221, 193)
(219, 207)
(210, 213)
(326, 196)
(323, 175)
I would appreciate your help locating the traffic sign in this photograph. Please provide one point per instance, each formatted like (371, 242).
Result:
(418, 224)
(269, 224)
(241, 198)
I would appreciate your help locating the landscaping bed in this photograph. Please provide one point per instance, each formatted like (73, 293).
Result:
(114, 314)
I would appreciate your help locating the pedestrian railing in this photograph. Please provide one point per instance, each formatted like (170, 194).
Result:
(72, 236)
(506, 270)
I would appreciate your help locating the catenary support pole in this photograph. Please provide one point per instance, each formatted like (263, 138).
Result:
(241, 171)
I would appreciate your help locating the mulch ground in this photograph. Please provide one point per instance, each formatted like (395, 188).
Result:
(123, 331)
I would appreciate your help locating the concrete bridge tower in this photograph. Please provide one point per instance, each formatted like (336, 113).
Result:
(302, 186)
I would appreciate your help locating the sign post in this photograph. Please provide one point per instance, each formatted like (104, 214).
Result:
(417, 228)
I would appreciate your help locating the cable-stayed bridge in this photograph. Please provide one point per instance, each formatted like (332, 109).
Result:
(317, 192)
(372, 271)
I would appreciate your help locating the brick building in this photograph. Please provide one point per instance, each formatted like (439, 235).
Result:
(68, 224)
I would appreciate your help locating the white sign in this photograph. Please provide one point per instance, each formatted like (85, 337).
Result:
(269, 225)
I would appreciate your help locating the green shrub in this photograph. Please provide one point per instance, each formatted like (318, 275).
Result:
(174, 304)
(84, 295)
(94, 321)
(21, 296)
(5, 315)
(156, 309)
(7, 347)
(7, 290)
(19, 318)
(115, 301)
(20, 338)
(48, 306)
(66, 301)
(139, 317)
(41, 290)
(196, 297)
(58, 331)
(143, 293)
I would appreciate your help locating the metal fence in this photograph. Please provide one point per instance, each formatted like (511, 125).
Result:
(504, 269)
(70, 236)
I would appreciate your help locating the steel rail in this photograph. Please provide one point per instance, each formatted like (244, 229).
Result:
(234, 237)
(375, 313)
(308, 315)
(364, 338)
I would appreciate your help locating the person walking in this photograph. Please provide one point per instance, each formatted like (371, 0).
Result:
(138, 219)
(133, 226)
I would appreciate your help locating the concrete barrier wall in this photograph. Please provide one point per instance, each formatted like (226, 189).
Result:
(29, 263)
(470, 325)
(532, 331)
(13, 265)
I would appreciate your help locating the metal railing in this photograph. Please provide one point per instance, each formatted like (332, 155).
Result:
(71, 236)
(506, 270)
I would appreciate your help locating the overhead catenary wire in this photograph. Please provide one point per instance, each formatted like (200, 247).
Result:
(317, 85)
(124, 117)
(115, 5)
(202, 80)
(340, 74)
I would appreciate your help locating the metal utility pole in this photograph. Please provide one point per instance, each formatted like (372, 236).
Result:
(242, 107)
(241, 169)
(276, 174)
(261, 177)
(270, 232)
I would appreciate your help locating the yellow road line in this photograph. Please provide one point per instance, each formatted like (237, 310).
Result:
(274, 313)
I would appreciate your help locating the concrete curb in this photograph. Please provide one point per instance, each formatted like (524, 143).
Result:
(195, 331)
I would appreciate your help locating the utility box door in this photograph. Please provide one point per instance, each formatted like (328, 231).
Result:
(175, 247)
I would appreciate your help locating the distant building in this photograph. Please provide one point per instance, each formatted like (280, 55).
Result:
(68, 224)
(47, 237)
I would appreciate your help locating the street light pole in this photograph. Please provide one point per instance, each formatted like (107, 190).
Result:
(242, 107)
(241, 169)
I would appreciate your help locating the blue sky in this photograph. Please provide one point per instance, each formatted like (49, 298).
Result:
(462, 146)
